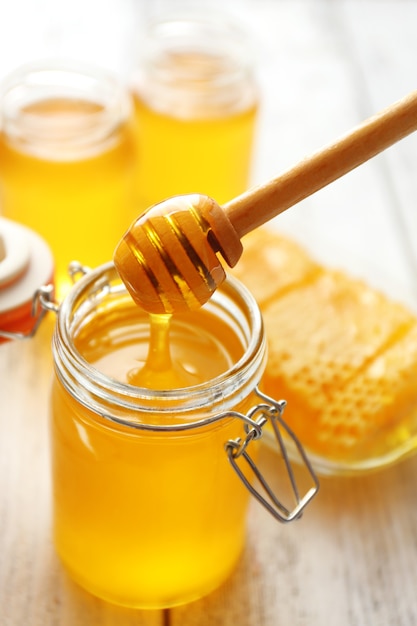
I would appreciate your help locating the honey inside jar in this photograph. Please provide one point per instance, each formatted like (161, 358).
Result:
(195, 102)
(160, 351)
(207, 153)
(67, 135)
(146, 513)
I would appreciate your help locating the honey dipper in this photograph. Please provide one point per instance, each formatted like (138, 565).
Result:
(168, 257)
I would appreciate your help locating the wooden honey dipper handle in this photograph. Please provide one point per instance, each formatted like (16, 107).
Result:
(260, 204)
(168, 259)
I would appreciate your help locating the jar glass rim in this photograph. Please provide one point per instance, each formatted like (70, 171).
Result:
(40, 81)
(92, 387)
(195, 67)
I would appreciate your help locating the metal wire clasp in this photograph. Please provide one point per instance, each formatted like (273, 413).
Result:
(269, 412)
(42, 302)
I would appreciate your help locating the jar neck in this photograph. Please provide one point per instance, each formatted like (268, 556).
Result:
(62, 111)
(142, 408)
(195, 69)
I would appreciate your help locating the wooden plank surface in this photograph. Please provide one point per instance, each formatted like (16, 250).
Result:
(351, 560)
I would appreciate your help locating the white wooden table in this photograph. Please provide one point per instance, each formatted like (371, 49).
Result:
(352, 559)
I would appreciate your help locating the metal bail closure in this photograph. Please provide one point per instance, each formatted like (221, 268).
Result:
(26, 263)
(269, 414)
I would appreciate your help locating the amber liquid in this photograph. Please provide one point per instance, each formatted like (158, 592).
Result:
(147, 519)
(77, 196)
(209, 155)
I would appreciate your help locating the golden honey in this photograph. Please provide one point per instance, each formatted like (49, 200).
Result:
(66, 159)
(147, 509)
(177, 155)
(195, 111)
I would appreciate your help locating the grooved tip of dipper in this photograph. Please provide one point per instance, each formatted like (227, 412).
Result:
(167, 259)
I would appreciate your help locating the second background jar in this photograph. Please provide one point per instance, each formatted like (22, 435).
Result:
(195, 104)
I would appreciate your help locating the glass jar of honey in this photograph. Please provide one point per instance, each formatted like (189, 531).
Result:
(148, 511)
(66, 159)
(196, 103)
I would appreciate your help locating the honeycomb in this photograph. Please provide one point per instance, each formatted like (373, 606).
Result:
(343, 355)
(271, 264)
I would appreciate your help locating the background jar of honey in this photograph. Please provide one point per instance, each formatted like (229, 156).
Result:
(148, 511)
(196, 102)
(66, 160)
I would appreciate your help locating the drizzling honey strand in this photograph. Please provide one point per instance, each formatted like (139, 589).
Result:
(159, 370)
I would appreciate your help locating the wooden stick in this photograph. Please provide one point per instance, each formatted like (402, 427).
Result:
(198, 272)
(262, 203)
